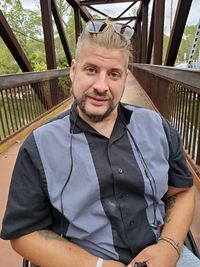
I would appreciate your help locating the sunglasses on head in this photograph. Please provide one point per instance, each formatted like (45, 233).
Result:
(96, 26)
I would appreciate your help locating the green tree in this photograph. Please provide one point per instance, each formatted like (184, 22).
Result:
(26, 25)
(186, 44)
(7, 62)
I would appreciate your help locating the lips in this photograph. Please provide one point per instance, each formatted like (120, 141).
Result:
(97, 101)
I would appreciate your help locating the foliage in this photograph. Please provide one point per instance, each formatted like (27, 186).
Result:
(186, 44)
(165, 44)
(7, 62)
(27, 27)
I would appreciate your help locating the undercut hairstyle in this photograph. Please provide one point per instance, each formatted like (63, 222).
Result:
(108, 39)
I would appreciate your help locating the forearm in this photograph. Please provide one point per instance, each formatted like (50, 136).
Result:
(179, 213)
(46, 249)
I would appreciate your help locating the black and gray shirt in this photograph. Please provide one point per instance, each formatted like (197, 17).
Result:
(102, 193)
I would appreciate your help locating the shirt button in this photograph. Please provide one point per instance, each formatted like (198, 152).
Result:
(120, 170)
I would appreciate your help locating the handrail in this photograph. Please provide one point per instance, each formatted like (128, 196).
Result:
(14, 80)
(25, 97)
(172, 74)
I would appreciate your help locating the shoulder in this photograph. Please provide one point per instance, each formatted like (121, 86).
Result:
(55, 121)
(54, 124)
(140, 110)
(143, 116)
(45, 136)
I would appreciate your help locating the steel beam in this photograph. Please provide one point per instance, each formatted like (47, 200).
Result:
(158, 31)
(98, 11)
(137, 35)
(77, 22)
(182, 11)
(128, 18)
(61, 31)
(133, 58)
(138, 42)
(49, 44)
(150, 40)
(83, 10)
(126, 10)
(139, 16)
(124, 18)
(48, 33)
(102, 2)
(13, 45)
(144, 30)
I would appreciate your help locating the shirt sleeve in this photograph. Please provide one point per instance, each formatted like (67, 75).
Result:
(179, 174)
(28, 207)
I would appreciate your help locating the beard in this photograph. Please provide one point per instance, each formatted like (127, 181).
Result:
(81, 103)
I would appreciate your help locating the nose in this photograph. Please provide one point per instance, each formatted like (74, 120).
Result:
(101, 82)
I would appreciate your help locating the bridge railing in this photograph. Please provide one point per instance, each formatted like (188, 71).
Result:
(25, 97)
(176, 94)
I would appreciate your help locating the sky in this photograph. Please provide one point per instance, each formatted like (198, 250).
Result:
(193, 17)
(116, 9)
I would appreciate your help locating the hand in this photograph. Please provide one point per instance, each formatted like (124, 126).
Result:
(161, 254)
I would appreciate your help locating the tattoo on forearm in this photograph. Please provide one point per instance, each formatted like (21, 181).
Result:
(169, 205)
(49, 235)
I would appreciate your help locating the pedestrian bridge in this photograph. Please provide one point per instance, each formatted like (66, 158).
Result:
(30, 98)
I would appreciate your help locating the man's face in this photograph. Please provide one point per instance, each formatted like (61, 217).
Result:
(98, 80)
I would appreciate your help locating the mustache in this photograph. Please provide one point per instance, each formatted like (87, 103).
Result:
(99, 95)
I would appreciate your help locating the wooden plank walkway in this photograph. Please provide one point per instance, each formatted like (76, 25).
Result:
(133, 94)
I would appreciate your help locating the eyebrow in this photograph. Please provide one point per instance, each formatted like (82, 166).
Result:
(116, 69)
(88, 64)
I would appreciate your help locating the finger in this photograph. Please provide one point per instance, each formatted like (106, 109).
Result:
(140, 264)
(137, 264)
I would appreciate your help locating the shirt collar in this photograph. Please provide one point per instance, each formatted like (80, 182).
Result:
(78, 125)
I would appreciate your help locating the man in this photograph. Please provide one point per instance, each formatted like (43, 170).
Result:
(91, 187)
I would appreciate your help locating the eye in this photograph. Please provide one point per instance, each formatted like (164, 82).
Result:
(90, 70)
(115, 75)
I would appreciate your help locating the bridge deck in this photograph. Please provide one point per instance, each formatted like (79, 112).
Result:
(133, 94)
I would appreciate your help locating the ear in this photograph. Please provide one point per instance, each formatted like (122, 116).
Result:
(72, 69)
(127, 73)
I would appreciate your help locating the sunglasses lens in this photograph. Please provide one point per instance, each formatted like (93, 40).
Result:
(96, 26)
(123, 29)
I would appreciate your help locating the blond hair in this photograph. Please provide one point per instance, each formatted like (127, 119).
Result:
(108, 39)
